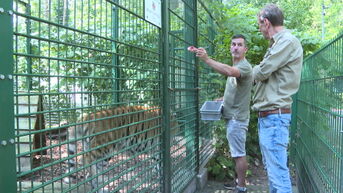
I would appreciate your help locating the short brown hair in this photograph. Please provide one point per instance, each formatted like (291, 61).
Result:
(240, 36)
(273, 13)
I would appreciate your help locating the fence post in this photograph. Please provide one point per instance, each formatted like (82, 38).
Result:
(341, 168)
(7, 148)
(197, 123)
(293, 127)
(165, 98)
(191, 138)
(115, 48)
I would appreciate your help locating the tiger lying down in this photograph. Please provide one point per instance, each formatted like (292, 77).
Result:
(130, 129)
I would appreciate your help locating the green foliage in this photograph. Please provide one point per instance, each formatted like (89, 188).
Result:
(296, 14)
(222, 166)
(307, 16)
(310, 43)
(86, 55)
(239, 19)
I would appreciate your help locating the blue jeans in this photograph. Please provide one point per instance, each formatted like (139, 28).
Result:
(273, 133)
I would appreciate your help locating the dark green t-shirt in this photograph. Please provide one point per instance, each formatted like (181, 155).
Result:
(238, 93)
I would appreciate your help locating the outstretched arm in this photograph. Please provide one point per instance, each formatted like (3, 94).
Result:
(217, 66)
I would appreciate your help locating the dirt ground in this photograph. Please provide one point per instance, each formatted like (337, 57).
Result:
(257, 182)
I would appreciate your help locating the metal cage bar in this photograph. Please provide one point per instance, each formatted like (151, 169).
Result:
(7, 147)
(102, 98)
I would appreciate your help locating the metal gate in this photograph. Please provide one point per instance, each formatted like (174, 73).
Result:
(102, 95)
(317, 128)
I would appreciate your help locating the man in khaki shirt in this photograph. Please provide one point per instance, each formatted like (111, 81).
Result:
(236, 104)
(277, 78)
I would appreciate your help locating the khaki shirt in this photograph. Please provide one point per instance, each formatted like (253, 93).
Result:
(277, 77)
(238, 93)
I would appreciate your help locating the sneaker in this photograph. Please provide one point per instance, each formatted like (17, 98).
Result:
(237, 190)
(231, 185)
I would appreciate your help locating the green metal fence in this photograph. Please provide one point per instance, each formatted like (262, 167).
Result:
(209, 90)
(102, 95)
(317, 130)
(182, 87)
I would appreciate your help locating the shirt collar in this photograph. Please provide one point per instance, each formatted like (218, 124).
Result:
(241, 61)
(277, 36)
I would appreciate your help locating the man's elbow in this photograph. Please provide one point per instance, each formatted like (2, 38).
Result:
(233, 72)
(259, 77)
(226, 72)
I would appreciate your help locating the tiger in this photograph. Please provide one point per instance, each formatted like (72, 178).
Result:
(104, 132)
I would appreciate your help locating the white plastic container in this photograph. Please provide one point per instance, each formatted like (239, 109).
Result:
(211, 110)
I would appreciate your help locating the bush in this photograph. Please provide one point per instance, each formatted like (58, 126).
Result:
(222, 166)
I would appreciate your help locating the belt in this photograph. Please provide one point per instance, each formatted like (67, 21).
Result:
(276, 111)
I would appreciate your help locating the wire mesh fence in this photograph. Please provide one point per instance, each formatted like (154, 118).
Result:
(103, 98)
(206, 35)
(317, 133)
